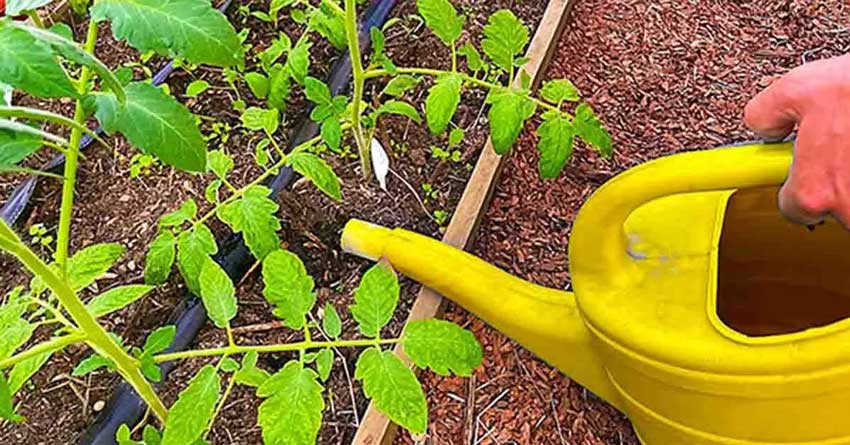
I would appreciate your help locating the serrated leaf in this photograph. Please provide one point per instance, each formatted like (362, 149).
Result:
(288, 287)
(90, 364)
(160, 258)
(442, 18)
(186, 212)
(504, 38)
(151, 436)
(473, 57)
(258, 83)
(317, 171)
(196, 88)
(16, 7)
(15, 146)
(331, 323)
(442, 346)
(194, 248)
(157, 124)
(329, 26)
(456, 137)
(279, 87)
(559, 90)
(159, 340)
(331, 132)
(219, 163)
(116, 298)
(441, 104)
(393, 388)
(88, 264)
(25, 369)
(400, 108)
(249, 374)
(30, 65)
(324, 363)
(400, 85)
(590, 129)
(317, 91)
(190, 414)
(7, 408)
(65, 31)
(218, 294)
(229, 365)
(298, 61)
(375, 299)
(122, 435)
(261, 119)
(279, 47)
(509, 110)
(150, 369)
(292, 414)
(254, 215)
(211, 192)
(15, 334)
(190, 29)
(555, 145)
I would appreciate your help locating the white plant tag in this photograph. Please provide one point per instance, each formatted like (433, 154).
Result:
(380, 163)
(6, 91)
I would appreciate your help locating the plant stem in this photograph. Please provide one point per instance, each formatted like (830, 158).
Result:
(454, 57)
(36, 19)
(52, 345)
(231, 382)
(358, 79)
(95, 335)
(298, 346)
(66, 211)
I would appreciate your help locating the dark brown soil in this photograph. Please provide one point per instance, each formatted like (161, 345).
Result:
(112, 207)
(666, 76)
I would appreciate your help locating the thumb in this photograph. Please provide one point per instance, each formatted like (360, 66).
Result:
(771, 114)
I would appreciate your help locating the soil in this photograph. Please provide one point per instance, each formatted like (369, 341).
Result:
(112, 207)
(665, 76)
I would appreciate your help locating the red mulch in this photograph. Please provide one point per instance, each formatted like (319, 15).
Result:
(666, 76)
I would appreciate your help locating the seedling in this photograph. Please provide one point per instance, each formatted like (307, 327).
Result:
(429, 192)
(141, 164)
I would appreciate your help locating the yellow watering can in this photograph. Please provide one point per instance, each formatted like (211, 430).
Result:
(698, 310)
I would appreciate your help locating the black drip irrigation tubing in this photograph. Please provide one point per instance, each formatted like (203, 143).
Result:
(125, 406)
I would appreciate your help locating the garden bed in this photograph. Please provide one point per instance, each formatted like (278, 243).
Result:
(665, 77)
(111, 206)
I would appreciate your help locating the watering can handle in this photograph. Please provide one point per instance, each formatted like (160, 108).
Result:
(725, 168)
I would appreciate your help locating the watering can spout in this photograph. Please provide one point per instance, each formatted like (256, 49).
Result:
(546, 321)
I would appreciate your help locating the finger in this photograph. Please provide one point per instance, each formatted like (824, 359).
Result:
(797, 208)
(771, 114)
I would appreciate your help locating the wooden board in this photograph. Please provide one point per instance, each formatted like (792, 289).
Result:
(375, 429)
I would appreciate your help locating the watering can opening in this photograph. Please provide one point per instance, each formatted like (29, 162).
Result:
(776, 277)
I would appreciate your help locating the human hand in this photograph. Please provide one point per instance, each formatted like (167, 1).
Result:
(815, 98)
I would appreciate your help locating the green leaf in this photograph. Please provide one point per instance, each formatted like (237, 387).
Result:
(197, 88)
(332, 133)
(65, 31)
(150, 369)
(249, 374)
(400, 85)
(25, 369)
(151, 436)
(190, 29)
(186, 212)
(556, 91)
(292, 414)
(508, 112)
(160, 258)
(7, 408)
(229, 365)
(324, 363)
(122, 435)
(159, 340)
(211, 192)
(16, 7)
(279, 87)
(15, 334)
(298, 61)
(218, 294)
(279, 47)
(15, 146)
(556, 143)
(473, 57)
(30, 65)
(393, 388)
(157, 124)
(442, 346)
(331, 323)
(255, 216)
(261, 119)
(194, 248)
(116, 298)
(258, 83)
(219, 163)
(88, 264)
(504, 38)
(91, 364)
(318, 171)
(329, 26)
(317, 91)
(400, 108)
(375, 299)
(456, 136)
(288, 287)
(190, 414)
(590, 129)
(442, 102)
(442, 18)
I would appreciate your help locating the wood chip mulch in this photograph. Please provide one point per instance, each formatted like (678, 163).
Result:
(666, 76)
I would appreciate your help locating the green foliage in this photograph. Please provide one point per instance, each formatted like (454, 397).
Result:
(329, 25)
(117, 298)
(190, 414)
(255, 216)
(261, 119)
(91, 262)
(393, 388)
(557, 91)
(194, 248)
(218, 294)
(90, 364)
(249, 374)
(292, 411)
(196, 88)
(288, 287)
(15, 146)
(186, 212)
(18, 7)
(25, 369)
(375, 299)
(30, 65)
(441, 104)
(504, 39)
(7, 408)
(331, 323)
(400, 85)
(400, 108)
(155, 123)
(190, 29)
(508, 112)
(258, 83)
(473, 57)
(442, 18)
(279, 87)
(317, 171)
(555, 145)
(590, 129)
(442, 346)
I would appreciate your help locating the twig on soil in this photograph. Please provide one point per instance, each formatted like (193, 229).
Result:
(413, 191)
(470, 409)
(259, 327)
